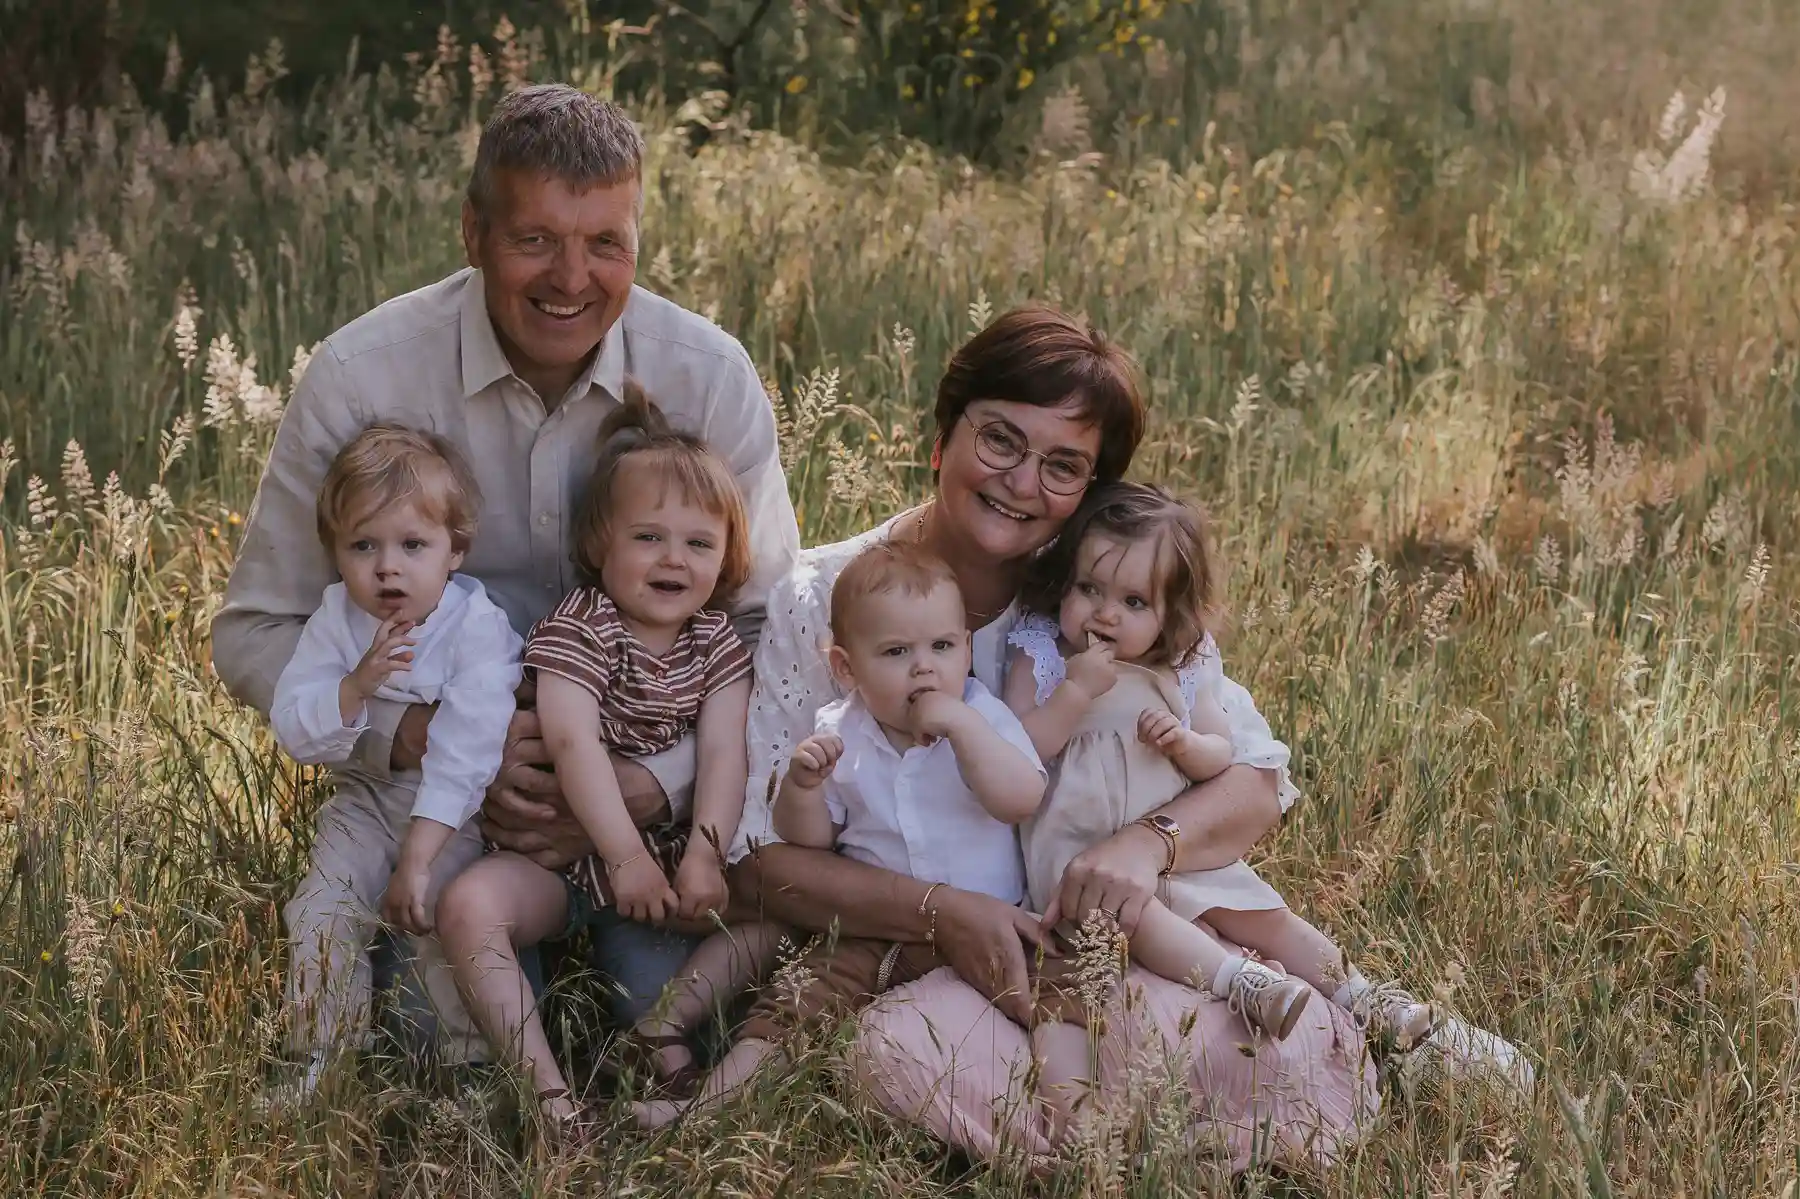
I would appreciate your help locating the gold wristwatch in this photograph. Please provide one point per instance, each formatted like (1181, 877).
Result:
(1169, 831)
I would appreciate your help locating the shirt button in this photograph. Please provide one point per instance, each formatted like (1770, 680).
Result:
(543, 519)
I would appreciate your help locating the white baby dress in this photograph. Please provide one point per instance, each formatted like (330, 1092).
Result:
(1106, 778)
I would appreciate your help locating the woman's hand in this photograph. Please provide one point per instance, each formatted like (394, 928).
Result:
(990, 943)
(700, 881)
(1118, 875)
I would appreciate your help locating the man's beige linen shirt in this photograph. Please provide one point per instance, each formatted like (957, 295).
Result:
(430, 358)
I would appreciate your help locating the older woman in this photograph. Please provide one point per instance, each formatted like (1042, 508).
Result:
(1031, 411)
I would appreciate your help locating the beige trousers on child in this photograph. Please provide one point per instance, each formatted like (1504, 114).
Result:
(336, 912)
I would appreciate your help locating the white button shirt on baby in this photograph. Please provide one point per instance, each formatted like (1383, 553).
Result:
(912, 813)
(465, 660)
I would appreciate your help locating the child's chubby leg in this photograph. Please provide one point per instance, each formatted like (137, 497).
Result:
(723, 966)
(1182, 952)
(1060, 1052)
(836, 980)
(497, 906)
(1284, 936)
(744, 1060)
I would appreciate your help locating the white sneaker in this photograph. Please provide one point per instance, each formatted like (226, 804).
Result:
(1385, 1008)
(1267, 1001)
(1459, 1051)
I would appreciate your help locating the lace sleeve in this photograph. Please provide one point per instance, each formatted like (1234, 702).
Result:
(1036, 635)
(1193, 678)
(793, 681)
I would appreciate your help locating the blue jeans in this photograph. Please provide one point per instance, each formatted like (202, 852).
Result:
(636, 960)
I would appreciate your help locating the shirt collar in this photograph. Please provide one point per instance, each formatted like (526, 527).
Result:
(363, 625)
(484, 362)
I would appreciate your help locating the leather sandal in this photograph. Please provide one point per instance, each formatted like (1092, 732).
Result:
(637, 1052)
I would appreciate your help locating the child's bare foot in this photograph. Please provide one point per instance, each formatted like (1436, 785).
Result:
(659, 1113)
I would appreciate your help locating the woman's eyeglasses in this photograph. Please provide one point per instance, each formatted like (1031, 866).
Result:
(1000, 447)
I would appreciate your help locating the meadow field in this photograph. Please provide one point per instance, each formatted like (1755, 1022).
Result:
(1498, 422)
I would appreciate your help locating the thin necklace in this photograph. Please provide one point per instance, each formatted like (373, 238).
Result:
(919, 524)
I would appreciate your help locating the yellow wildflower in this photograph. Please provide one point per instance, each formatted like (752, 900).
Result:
(907, 91)
(234, 520)
(796, 85)
(44, 956)
(1026, 75)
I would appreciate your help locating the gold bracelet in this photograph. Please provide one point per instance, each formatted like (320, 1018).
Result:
(931, 929)
(1168, 840)
(611, 869)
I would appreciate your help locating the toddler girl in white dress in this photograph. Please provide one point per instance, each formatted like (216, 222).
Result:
(1108, 678)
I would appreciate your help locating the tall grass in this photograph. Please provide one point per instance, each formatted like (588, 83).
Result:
(1505, 466)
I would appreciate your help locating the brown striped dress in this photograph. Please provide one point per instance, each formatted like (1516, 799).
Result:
(647, 703)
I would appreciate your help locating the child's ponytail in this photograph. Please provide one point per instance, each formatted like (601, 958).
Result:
(636, 423)
(638, 426)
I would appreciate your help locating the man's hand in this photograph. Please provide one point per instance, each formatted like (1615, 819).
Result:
(990, 943)
(410, 736)
(814, 759)
(1092, 672)
(526, 812)
(700, 881)
(1118, 875)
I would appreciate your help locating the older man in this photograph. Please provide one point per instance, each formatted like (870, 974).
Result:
(516, 360)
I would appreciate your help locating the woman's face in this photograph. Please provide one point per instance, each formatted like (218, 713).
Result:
(1010, 514)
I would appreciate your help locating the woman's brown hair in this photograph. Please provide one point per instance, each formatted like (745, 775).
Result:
(1132, 512)
(1043, 357)
(681, 460)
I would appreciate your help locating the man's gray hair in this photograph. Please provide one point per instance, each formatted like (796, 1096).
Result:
(556, 130)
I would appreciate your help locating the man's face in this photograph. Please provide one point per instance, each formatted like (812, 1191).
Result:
(557, 265)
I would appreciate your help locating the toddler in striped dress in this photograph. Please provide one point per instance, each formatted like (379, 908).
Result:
(633, 662)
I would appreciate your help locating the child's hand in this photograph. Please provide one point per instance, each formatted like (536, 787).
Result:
(404, 904)
(936, 714)
(381, 660)
(640, 891)
(699, 882)
(814, 759)
(1159, 728)
(1093, 671)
